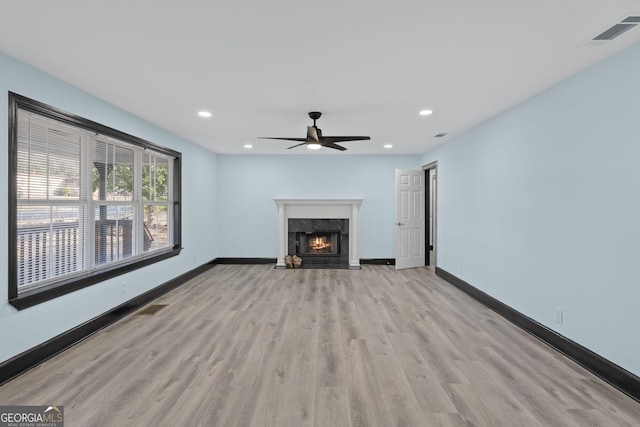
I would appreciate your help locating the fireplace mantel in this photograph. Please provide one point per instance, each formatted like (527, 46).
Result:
(319, 208)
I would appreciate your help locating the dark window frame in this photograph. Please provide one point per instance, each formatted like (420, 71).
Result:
(33, 297)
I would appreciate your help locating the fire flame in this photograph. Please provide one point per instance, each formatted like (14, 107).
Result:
(319, 243)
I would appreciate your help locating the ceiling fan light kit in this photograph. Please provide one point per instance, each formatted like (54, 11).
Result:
(315, 140)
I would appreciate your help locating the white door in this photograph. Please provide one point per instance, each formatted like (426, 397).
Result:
(410, 221)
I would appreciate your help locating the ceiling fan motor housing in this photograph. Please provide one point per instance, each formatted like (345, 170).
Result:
(315, 115)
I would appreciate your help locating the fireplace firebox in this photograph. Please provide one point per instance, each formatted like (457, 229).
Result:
(318, 243)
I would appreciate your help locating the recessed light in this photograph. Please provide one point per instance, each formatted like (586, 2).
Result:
(388, 146)
(314, 146)
(248, 146)
(426, 112)
(204, 114)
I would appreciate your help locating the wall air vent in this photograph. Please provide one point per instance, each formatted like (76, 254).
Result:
(618, 29)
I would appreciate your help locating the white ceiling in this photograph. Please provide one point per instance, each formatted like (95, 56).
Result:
(260, 66)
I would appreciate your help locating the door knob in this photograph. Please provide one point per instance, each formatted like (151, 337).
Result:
(399, 223)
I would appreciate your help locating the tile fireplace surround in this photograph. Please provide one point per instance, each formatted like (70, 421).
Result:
(320, 209)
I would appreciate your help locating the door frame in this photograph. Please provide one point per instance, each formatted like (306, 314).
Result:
(433, 166)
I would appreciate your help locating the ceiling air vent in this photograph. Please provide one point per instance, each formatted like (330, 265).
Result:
(632, 19)
(619, 28)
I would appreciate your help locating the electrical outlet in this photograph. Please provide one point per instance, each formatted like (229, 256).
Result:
(559, 315)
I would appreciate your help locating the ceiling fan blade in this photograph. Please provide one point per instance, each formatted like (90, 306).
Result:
(336, 146)
(332, 139)
(297, 145)
(313, 134)
(283, 139)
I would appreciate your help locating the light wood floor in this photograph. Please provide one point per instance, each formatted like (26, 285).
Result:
(255, 346)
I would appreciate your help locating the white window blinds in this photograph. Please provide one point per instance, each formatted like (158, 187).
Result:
(85, 201)
(50, 211)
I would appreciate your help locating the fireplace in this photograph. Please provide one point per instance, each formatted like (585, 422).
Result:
(346, 210)
(321, 243)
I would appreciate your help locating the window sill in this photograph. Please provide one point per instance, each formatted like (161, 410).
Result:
(55, 290)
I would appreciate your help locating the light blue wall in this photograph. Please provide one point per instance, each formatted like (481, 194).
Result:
(248, 185)
(21, 330)
(540, 207)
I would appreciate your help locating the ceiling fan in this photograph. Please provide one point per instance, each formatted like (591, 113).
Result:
(315, 140)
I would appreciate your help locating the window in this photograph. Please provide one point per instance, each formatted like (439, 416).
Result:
(87, 202)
